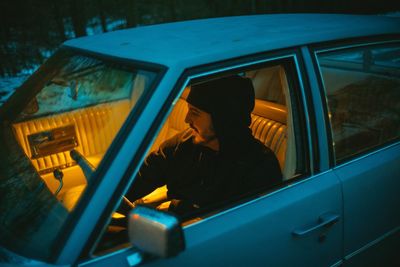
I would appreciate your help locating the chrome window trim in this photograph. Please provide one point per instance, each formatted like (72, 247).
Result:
(367, 154)
(372, 243)
(306, 117)
(338, 48)
(238, 66)
(320, 118)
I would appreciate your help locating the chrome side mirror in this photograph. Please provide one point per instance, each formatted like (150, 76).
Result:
(155, 232)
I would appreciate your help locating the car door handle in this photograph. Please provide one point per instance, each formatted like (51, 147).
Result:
(325, 220)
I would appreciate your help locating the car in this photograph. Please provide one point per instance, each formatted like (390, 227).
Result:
(327, 86)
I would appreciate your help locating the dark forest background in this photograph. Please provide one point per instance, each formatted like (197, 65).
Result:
(31, 30)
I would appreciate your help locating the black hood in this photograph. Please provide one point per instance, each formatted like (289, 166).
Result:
(229, 101)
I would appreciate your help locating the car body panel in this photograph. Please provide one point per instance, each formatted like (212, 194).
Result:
(198, 42)
(321, 150)
(370, 178)
(251, 239)
(370, 190)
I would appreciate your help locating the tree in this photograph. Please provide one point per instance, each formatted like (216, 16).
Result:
(102, 14)
(131, 13)
(77, 12)
(58, 18)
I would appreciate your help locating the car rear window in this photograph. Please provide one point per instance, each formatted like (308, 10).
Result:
(362, 86)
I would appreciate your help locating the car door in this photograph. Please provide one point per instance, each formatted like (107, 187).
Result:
(262, 232)
(298, 223)
(362, 87)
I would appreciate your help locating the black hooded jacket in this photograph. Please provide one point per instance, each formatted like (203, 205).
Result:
(199, 177)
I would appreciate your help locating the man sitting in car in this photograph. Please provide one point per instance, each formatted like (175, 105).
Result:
(216, 159)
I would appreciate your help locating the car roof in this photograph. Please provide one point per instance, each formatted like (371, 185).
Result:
(197, 42)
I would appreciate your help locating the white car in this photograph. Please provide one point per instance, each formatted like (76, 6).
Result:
(74, 135)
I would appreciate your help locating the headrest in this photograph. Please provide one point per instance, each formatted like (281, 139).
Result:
(270, 110)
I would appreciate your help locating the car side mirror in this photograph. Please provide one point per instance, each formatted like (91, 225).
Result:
(155, 232)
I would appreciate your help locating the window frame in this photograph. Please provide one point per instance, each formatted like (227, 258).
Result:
(337, 46)
(302, 102)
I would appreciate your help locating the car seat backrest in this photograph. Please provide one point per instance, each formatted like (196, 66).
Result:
(269, 126)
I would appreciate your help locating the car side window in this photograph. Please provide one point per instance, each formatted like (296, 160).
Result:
(273, 124)
(362, 86)
(276, 122)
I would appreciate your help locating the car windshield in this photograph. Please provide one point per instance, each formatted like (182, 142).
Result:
(58, 127)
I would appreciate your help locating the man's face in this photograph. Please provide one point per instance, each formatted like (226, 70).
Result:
(201, 122)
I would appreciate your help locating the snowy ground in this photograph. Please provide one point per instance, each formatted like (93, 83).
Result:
(8, 86)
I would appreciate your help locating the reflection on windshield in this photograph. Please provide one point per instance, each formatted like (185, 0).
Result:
(80, 83)
(51, 149)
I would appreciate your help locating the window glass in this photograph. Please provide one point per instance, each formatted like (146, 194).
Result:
(188, 170)
(70, 112)
(83, 82)
(363, 95)
(272, 78)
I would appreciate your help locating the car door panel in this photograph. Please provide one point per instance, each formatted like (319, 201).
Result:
(244, 236)
(371, 195)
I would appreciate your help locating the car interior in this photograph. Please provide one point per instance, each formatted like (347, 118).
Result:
(89, 131)
(48, 140)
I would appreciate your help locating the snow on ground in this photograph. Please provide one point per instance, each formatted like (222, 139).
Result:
(8, 86)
